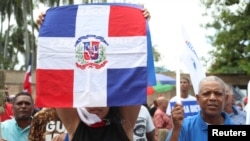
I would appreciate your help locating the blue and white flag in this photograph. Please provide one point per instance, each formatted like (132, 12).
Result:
(94, 55)
(191, 61)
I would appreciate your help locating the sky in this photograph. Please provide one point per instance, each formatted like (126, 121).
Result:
(165, 27)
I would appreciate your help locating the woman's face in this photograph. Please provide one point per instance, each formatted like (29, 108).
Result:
(101, 112)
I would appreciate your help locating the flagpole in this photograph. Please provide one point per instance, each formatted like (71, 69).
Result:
(248, 104)
(178, 76)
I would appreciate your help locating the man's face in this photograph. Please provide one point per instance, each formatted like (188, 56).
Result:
(184, 85)
(23, 107)
(230, 101)
(211, 98)
(165, 104)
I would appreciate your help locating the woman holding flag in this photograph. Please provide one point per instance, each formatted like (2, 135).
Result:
(99, 123)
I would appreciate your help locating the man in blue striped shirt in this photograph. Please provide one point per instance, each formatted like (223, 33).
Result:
(237, 116)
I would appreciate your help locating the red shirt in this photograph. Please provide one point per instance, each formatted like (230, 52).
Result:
(161, 120)
(8, 113)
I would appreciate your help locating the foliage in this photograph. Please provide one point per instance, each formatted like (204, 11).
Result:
(231, 23)
(157, 55)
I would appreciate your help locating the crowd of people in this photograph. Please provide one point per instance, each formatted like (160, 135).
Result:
(213, 105)
(215, 99)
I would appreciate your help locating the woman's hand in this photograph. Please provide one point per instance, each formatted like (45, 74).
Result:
(146, 14)
(40, 19)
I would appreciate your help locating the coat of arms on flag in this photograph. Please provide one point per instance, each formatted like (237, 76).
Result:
(90, 52)
(93, 55)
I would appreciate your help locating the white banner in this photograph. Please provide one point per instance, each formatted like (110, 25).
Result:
(191, 60)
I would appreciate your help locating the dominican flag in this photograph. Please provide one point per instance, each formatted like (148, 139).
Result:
(94, 55)
(191, 60)
(27, 79)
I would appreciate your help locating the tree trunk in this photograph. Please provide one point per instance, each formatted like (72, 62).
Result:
(6, 42)
(1, 35)
(33, 46)
(26, 35)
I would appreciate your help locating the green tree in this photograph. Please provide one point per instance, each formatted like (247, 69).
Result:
(54, 3)
(9, 9)
(231, 38)
(156, 54)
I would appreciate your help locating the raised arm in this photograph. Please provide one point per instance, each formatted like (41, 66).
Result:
(177, 117)
(69, 118)
(129, 114)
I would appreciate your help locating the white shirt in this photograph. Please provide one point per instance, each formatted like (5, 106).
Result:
(190, 105)
(143, 125)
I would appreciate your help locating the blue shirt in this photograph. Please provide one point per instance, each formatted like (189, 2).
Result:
(194, 128)
(12, 132)
(238, 116)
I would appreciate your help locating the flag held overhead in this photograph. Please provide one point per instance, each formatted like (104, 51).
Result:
(93, 55)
